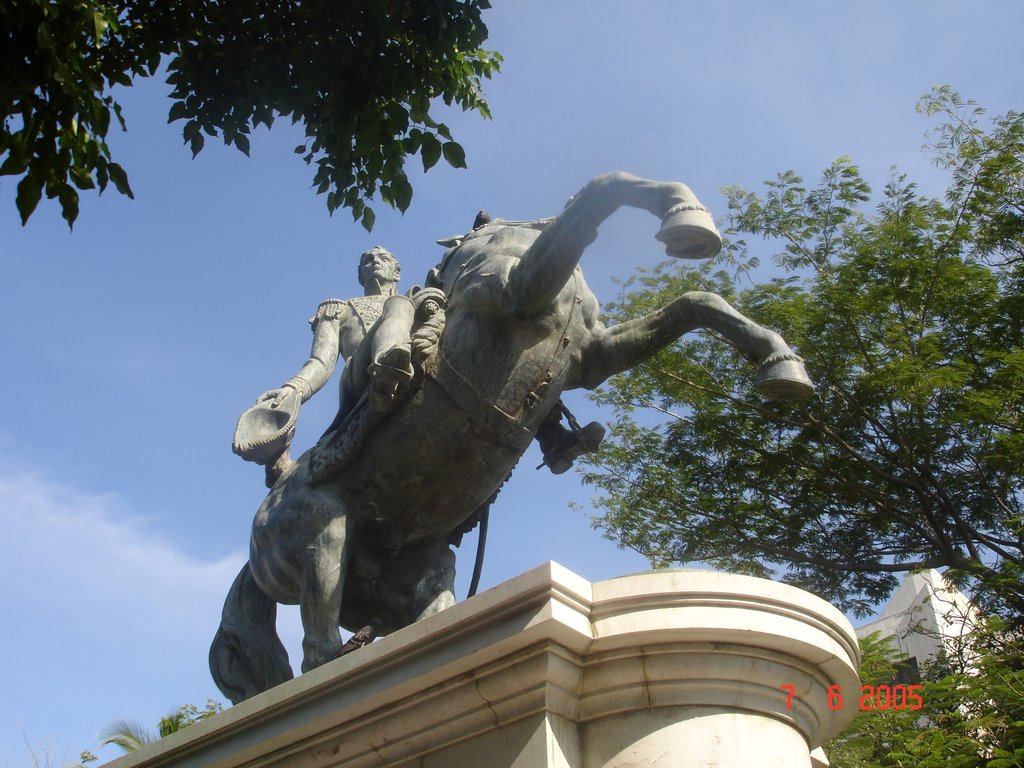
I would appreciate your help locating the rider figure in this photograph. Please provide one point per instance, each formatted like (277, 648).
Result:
(339, 327)
(380, 366)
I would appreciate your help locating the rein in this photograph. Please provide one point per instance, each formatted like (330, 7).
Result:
(505, 428)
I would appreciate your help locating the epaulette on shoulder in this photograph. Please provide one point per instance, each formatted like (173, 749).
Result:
(330, 309)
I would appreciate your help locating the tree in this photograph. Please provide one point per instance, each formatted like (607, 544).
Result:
(362, 78)
(131, 735)
(911, 320)
(972, 716)
(873, 732)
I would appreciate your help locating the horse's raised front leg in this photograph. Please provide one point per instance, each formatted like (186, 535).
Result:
(549, 262)
(781, 375)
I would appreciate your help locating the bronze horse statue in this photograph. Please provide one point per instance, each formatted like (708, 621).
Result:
(362, 536)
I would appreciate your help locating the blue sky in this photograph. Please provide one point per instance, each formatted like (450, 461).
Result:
(131, 345)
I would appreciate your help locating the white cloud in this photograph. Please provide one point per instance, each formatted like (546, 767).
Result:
(61, 544)
(104, 619)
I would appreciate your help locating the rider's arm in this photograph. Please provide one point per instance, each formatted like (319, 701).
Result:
(326, 324)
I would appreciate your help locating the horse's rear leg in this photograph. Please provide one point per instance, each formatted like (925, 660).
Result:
(391, 590)
(434, 589)
(324, 567)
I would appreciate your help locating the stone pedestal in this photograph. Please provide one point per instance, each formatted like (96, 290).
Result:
(669, 668)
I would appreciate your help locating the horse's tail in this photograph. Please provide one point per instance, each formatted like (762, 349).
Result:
(247, 656)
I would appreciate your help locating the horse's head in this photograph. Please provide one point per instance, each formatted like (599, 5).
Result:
(463, 250)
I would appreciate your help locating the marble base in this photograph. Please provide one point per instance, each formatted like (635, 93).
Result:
(671, 668)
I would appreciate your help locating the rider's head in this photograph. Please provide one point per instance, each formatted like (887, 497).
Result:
(379, 271)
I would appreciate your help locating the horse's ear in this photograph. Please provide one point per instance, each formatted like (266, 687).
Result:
(433, 279)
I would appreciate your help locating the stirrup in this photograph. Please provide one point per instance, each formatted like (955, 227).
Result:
(390, 373)
(586, 440)
(394, 366)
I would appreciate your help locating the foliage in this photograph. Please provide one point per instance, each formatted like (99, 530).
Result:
(59, 61)
(42, 758)
(131, 735)
(873, 731)
(973, 716)
(988, 174)
(911, 454)
(361, 77)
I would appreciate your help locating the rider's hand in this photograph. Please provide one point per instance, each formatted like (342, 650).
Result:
(276, 395)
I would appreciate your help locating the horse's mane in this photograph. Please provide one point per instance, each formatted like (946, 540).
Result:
(453, 241)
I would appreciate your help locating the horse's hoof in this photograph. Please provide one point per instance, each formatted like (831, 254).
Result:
(688, 232)
(782, 377)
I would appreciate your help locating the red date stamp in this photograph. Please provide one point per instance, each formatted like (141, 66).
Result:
(879, 697)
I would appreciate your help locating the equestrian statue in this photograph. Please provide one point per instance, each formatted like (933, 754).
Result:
(448, 386)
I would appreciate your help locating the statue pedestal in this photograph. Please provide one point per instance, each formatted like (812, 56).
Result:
(674, 668)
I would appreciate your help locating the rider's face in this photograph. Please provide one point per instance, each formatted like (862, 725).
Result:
(380, 266)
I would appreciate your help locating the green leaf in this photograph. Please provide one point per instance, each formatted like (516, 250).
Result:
(100, 25)
(14, 165)
(369, 218)
(102, 175)
(197, 143)
(120, 117)
(411, 144)
(430, 151)
(454, 154)
(82, 178)
(68, 204)
(178, 112)
(242, 142)
(29, 193)
(43, 38)
(102, 124)
(401, 191)
(127, 734)
(120, 179)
